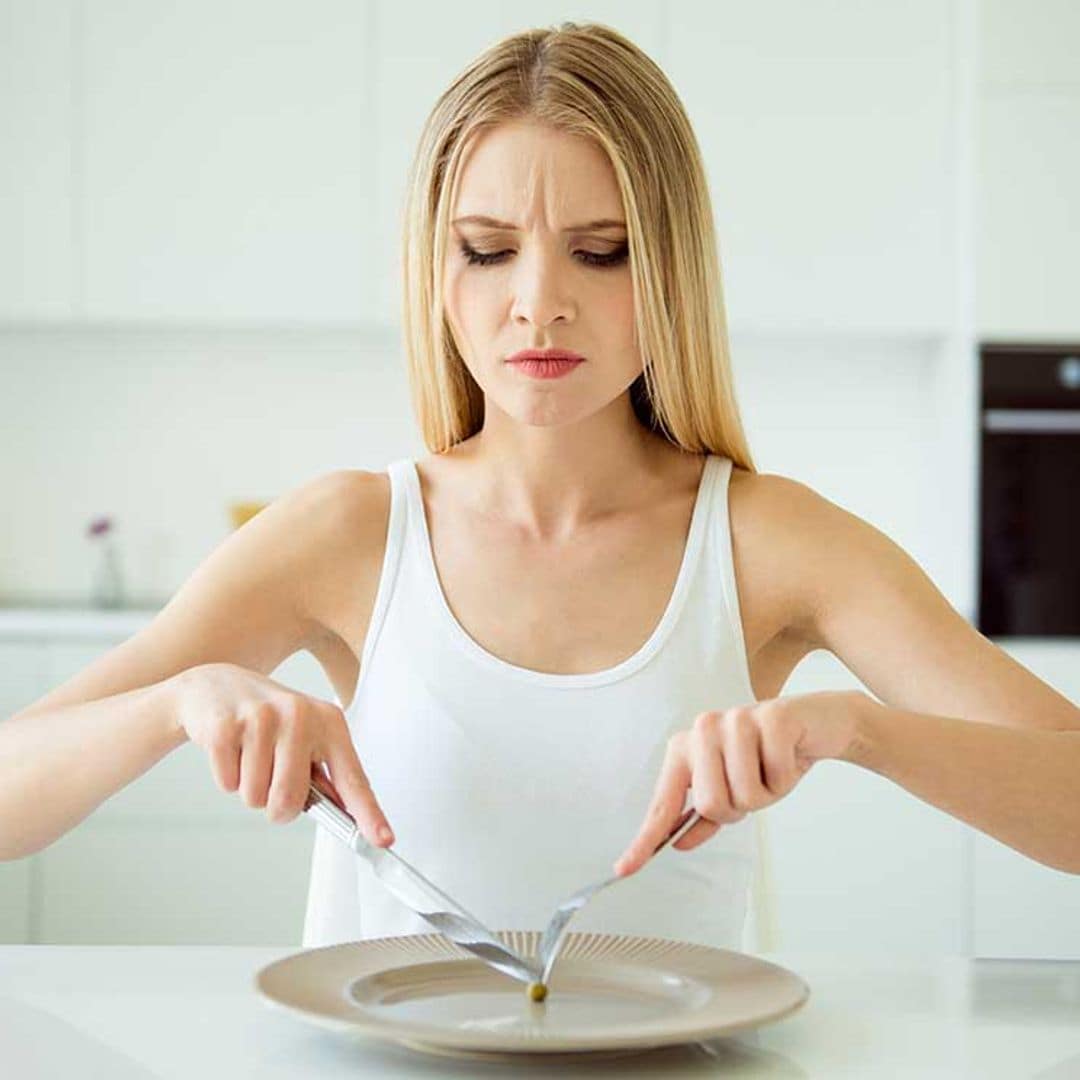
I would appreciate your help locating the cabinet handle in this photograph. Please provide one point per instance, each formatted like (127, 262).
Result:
(1035, 421)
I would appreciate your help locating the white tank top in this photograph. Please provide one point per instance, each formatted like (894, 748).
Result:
(511, 788)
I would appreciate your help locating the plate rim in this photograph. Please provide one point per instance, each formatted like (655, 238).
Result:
(439, 948)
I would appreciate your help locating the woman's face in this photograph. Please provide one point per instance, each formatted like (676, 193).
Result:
(549, 269)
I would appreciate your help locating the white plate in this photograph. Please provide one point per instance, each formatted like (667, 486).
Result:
(608, 994)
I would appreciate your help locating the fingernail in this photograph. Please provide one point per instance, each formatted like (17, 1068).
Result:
(384, 834)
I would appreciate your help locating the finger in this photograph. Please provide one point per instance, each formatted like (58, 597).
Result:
(742, 764)
(709, 789)
(256, 760)
(349, 779)
(697, 834)
(710, 796)
(289, 784)
(320, 777)
(778, 765)
(669, 798)
(225, 764)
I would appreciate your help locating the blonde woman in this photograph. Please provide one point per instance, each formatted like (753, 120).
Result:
(575, 615)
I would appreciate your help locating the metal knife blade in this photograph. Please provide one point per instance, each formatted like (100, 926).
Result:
(415, 891)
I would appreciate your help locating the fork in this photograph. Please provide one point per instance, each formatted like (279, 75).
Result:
(555, 933)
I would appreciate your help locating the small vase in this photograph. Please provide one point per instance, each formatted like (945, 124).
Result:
(108, 590)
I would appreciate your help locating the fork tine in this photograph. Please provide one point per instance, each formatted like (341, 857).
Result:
(555, 931)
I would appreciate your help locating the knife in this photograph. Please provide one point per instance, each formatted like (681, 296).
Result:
(414, 890)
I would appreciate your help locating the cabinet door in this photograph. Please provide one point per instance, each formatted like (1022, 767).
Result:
(1028, 171)
(38, 264)
(16, 886)
(226, 161)
(417, 59)
(146, 882)
(1022, 907)
(858, 864)
(1029, 213)
(826, 130)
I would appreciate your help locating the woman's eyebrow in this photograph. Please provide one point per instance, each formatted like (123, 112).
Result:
(493, 223)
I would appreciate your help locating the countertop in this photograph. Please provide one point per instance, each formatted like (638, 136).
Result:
(128, 1012)
(70, 621)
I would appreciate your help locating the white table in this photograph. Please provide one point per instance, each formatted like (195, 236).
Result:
(128, 1012)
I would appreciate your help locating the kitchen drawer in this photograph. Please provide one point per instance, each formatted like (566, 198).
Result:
(136, 883)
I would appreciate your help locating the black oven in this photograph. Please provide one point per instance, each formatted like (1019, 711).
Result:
(1029, 491)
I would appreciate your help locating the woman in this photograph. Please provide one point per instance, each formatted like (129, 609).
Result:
(581, 606)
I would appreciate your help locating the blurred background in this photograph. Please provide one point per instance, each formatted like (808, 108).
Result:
(199, 309)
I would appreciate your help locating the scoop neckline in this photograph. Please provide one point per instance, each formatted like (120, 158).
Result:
(421, 536)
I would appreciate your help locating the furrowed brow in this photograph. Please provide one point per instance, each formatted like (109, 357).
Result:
(494, 223)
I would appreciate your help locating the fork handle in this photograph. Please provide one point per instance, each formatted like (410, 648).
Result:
(687, 820)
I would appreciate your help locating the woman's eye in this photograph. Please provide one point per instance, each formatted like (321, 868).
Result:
(590, 258)
(605, 258)
(481, 258)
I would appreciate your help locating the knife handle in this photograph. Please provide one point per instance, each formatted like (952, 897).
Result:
(335, 820)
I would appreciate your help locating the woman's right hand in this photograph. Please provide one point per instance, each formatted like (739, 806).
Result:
(268, 742)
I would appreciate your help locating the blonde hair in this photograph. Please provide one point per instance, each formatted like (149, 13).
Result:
(584, 79)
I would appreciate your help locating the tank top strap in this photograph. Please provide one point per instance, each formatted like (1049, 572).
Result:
(395, 542)
(721, 560)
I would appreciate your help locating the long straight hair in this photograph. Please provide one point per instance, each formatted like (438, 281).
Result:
(584, 79)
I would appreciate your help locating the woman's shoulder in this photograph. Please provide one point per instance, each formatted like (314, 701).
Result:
(343, 517)
(775, 525)
(347, 499)
(767, 501)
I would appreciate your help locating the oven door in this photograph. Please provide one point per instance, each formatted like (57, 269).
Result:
(1030, 523)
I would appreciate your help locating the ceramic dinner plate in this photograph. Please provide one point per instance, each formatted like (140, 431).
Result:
(608, 994)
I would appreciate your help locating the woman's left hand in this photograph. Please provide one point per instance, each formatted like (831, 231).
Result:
(742, 759)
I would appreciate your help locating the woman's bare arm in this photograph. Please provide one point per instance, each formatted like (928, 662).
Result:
(253, 602)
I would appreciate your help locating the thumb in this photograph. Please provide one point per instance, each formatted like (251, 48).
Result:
(354, 791)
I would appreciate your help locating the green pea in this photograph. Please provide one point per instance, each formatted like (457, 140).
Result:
(537, 991)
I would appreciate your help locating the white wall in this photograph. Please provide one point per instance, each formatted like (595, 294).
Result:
(164, 429)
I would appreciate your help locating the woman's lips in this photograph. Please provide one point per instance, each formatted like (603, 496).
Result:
(545, 363)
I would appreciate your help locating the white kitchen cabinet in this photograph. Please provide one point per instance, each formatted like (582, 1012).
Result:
(859, 864)
(856, 863)
(1028, 284)
(828, 139)
(227, 161)
(929, 882)
(38, 208)
(153, 882)
(417, 59)
(16, 891)
(1028, 171)
(186, 861)
(1028, 44)
(170, 857)
(1022, 908)
(237, 162)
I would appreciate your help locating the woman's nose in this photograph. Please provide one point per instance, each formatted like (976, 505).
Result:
(540, 294)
